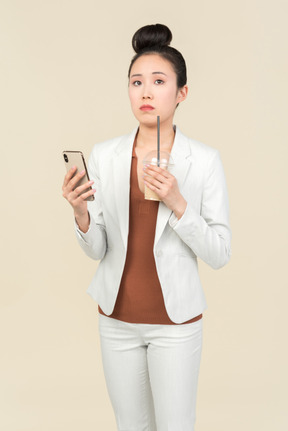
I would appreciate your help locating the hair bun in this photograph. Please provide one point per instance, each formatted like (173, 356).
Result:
(151, 36)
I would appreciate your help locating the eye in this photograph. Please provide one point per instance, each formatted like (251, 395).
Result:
(159, 82)
(136, 83)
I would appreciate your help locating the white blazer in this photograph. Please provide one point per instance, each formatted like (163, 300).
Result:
(203, 230)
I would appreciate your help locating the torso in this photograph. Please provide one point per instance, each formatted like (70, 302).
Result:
(140, 297)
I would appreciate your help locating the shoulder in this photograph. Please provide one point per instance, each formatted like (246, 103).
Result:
(106, 148)
(194, 150)
(195, 145)
(103, 152)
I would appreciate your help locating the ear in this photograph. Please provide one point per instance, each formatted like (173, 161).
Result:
(182, 94)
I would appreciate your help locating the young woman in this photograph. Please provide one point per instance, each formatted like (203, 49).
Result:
(147, 284)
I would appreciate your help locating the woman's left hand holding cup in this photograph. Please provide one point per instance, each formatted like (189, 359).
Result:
(163, 183)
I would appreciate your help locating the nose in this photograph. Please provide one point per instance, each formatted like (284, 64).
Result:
(147, 94)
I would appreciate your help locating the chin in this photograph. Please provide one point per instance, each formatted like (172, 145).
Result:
(146, 118)
(149, 122)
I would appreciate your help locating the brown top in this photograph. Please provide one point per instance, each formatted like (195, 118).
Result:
(140, 298)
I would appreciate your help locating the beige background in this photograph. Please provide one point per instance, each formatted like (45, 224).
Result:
(64, 86)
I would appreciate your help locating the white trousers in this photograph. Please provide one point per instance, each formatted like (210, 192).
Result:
(151, 373)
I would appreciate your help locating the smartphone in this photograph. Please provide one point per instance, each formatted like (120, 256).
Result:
(76, 158)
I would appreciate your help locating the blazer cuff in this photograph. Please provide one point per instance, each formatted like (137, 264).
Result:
(83, 236)
(189, 218)
(173, 220)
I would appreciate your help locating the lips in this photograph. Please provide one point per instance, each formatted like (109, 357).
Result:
(146, 108)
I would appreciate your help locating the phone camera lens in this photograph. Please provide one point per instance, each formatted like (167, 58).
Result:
(66, 158)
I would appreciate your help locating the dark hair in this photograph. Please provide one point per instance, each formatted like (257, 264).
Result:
(155, 39)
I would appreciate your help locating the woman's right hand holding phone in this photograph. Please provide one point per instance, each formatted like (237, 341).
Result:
(76, 198)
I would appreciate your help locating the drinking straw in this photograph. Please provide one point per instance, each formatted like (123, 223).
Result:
(158, 140)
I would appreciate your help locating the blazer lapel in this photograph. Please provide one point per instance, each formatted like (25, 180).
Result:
(181, 164)
(121, 165)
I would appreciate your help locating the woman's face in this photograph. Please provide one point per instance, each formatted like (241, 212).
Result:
(153, 90)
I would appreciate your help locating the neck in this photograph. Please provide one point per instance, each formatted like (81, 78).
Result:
(147, 137)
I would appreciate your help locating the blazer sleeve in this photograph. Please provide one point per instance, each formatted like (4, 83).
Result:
(94, 241)
(208, 233)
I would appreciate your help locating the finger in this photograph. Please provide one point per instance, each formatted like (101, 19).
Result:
(71, 185)
(70, 192)
(153, 170)
(153, 182)
(153, 188)
(155, 175)
(75, 180)
(83, 187)
(87, 194)
(78, 199)
(69, 175)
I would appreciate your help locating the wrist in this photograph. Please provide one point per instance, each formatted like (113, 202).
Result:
(179, 210)
(83, 221)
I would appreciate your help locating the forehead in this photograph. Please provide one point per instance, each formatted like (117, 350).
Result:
(151, 63)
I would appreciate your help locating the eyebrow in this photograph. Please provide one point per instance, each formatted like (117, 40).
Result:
(153, 73)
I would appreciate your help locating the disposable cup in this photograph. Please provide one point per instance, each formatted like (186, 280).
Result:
(164, 161)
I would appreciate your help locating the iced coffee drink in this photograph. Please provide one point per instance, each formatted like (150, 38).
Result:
(164, 161)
